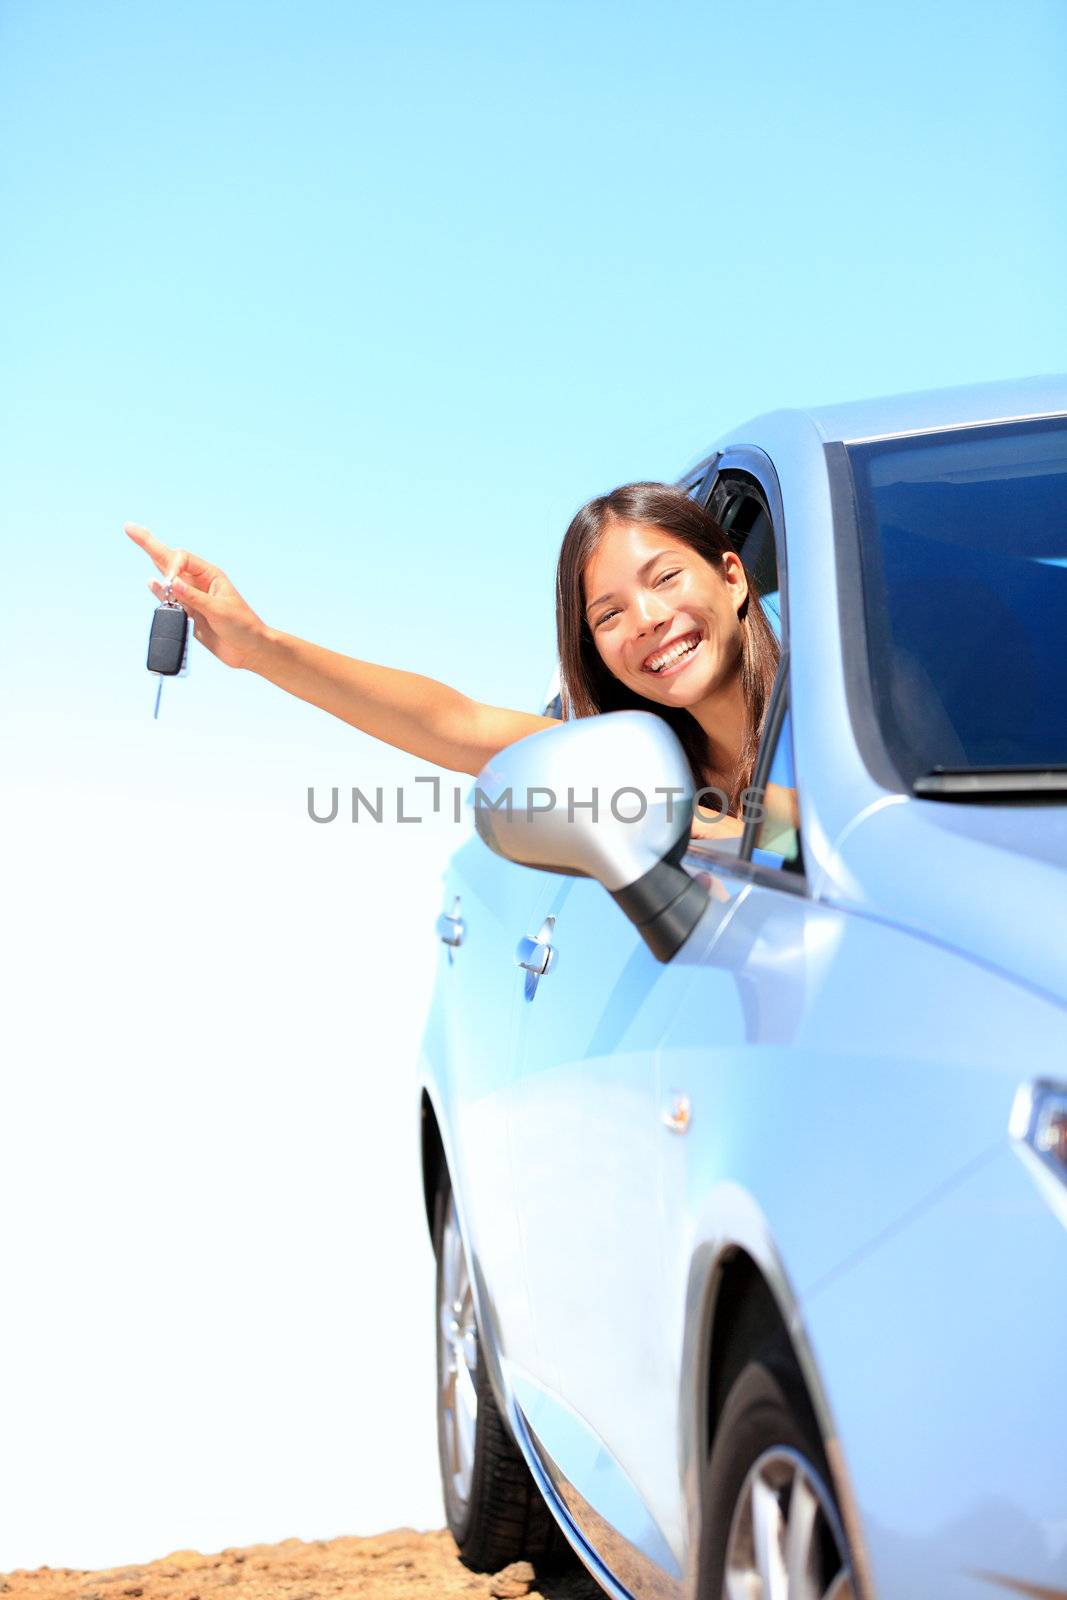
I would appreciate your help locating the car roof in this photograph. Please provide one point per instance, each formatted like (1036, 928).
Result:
(922, 411)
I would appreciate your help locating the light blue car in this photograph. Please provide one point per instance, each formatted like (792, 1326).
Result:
(746, 1162)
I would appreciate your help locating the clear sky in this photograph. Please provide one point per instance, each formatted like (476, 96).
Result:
(361, 302)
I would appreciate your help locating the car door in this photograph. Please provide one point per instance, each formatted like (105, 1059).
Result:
(586, 1121)
(729, 1052)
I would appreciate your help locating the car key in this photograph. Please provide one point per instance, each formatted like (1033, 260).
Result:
(168, 642)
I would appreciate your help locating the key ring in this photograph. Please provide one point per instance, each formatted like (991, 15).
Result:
(168, 587)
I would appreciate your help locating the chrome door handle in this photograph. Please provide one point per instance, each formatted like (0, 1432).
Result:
(534, 956)
(451, 928)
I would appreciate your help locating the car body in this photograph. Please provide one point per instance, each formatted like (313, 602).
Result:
(836, 1110)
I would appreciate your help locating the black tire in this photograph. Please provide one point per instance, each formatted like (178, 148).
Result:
(504, 1518)
(767, 1409)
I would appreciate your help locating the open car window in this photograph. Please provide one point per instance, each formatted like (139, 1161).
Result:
(776, 841)
(740, 506)
(745, 508)
(738, 500)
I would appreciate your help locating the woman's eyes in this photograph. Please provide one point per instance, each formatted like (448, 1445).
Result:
(661, 579)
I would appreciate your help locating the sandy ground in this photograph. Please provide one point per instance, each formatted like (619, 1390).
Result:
(386, 1566)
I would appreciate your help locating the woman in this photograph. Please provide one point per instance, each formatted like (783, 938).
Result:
(653, 604)
(654, 611)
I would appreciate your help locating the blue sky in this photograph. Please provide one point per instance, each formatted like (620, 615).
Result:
(361, 302)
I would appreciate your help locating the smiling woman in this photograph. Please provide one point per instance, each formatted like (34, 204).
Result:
(654, 611)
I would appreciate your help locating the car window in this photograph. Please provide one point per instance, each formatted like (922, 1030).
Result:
(772, 608)
(739, 506)
(777, 840)
(963, 547)
(739, 503)
(552, 700)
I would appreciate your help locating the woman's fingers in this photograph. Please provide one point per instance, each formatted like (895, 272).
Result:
(197, 568)
(192, 598)
(160, 553)
(193, 567)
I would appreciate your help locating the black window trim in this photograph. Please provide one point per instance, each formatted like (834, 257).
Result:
(748, 461)
(697, 477)
(852, 624)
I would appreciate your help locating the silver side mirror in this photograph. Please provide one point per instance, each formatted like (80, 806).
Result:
(607, 797)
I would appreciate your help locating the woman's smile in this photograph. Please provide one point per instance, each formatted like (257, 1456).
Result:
(679, 653)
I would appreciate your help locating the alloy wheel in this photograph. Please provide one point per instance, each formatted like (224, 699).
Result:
(457, 1337)
(785, 1540)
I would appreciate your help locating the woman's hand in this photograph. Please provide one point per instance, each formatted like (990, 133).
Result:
(222, 621)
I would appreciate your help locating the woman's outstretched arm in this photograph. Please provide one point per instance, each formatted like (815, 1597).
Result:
(414, 713)
(427, 718)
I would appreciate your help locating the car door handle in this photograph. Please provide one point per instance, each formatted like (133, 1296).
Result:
(534, 956)
(451, 928)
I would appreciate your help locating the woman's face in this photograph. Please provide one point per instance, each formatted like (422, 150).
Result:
(646, 592)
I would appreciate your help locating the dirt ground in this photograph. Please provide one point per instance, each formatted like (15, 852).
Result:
(400, 1565)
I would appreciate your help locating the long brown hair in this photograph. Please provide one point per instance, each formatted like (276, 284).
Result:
(587, 687)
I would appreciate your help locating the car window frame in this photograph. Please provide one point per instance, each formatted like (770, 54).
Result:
(747, 463)
(774, 728)
(852, 623)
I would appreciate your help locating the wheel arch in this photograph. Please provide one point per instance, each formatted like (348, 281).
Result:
(745, 1317)
(435, 1160)
(433, 1157)
(740, 1296)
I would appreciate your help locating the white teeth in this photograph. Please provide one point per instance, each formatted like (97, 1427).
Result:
(658, 663)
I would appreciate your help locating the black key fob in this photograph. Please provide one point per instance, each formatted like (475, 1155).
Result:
(167, 641)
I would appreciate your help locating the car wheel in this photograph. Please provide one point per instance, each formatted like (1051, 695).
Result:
(771, 1525)
(493, 1507)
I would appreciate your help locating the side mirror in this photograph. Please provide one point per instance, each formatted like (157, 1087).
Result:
(607, 797)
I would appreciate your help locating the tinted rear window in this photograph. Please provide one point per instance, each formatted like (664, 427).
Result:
(964, 560)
